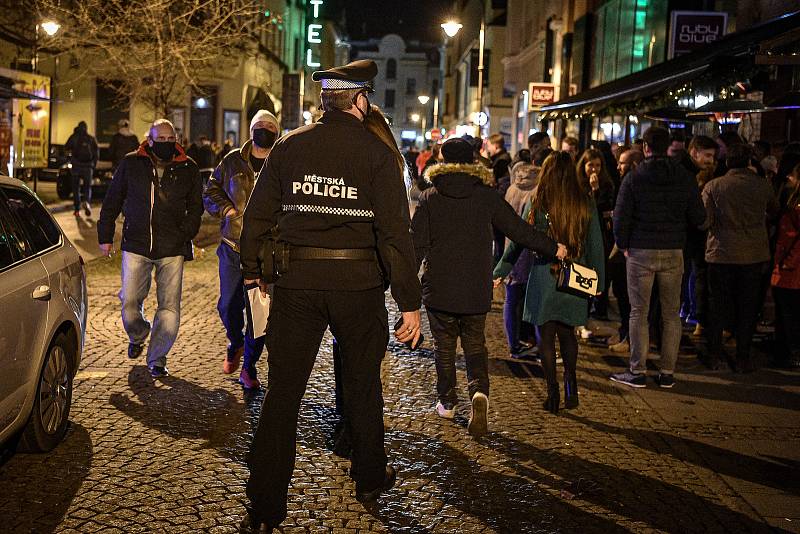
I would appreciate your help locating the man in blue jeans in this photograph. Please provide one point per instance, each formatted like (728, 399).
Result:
(656, 205)
(159, 192)
(226, 197)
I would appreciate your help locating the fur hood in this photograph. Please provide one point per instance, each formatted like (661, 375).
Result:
(476, 170)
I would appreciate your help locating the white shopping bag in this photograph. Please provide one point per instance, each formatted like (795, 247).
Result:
(257, 311)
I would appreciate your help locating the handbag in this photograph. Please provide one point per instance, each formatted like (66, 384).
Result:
(577, 279)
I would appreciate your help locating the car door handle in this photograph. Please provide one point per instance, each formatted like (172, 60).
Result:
(41, 293)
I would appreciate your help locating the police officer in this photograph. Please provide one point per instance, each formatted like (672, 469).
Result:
(335, 192)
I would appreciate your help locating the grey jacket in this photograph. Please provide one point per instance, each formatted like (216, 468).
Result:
(229, 187)
(738, 205)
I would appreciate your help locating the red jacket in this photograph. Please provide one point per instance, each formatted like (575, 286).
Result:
(786, 272)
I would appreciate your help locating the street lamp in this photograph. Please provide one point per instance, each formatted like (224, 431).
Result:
(451, 28)
(50, 27)
(415, 117)
(423, 99)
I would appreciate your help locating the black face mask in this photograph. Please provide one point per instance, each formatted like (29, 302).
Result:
(264, 138)
(369, 106)
(164, 150)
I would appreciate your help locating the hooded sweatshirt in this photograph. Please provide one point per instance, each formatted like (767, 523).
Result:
(524, 177)
(656, 205)
(452, 231)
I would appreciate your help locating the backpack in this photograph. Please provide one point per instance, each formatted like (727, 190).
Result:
(82, 151)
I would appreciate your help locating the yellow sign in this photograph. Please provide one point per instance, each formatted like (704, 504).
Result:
(31, 119)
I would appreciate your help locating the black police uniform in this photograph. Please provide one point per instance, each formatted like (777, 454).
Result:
(331, 187)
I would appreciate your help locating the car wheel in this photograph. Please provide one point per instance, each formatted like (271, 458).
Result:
(64, 185)
(50, 414)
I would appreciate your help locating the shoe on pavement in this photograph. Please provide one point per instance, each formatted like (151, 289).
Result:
(479, 415)
(665, 380)
(135, 350)
(87, 210)
(252, 524)
(157, 371)
(584, 332)
(445, 410)
(630, 379)
(623, 346)
(388, 483)
(698, 330)
(249, 380)
(232, 360)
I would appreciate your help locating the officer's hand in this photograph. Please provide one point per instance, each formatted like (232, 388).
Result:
(106, 248)
(562, 252)
(231, 213)
(498, 282)
(261, 284)
(410, 329)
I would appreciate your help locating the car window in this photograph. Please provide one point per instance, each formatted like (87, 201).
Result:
(32, 219)
(7, 242)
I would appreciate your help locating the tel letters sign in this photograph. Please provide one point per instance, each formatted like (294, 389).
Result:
(540, 94)
(313, 34)
(692, 30)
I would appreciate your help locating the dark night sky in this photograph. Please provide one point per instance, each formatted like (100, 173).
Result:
(415, 19)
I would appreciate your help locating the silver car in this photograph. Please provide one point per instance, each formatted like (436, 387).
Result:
(43, 306)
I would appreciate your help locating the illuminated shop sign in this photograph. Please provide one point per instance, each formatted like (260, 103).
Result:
(314, 35)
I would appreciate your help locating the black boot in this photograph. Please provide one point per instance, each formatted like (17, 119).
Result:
(553, 398)
(570, 391)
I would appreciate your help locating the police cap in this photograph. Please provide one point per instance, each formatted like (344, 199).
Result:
(355, 75)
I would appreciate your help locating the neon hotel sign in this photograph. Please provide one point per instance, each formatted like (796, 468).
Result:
(313, 33)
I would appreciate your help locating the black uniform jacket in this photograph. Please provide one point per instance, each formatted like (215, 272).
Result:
(334, 185)
(162, 216)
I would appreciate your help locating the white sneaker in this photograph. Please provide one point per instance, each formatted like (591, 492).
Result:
(479, 415)
(445, 412)
(584, 332)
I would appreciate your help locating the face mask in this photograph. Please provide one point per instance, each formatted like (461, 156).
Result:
(264, 138)
(369, 107)
(164, 150)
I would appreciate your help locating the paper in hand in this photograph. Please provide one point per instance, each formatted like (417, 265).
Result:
(257, 311)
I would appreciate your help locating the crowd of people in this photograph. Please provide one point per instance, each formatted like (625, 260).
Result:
(692, 233)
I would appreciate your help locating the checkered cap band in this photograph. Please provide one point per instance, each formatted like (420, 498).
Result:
(333, 84)
(327, 210)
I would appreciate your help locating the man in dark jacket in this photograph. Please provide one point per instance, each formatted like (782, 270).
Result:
(158, 190)
(452, 230)
(336, 193)
(122, 142)
(656, 204)
(83, 160)
(226, 197)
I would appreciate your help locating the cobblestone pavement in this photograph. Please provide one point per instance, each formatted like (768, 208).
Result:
(718, 453)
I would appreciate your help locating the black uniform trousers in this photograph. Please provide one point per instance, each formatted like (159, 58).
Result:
(298, 319)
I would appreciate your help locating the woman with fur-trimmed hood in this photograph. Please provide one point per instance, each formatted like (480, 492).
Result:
(452, 231)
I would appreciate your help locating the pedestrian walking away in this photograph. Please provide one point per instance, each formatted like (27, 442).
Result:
(560, 207)
(122, 142)
(83, 159)
(335, 192)
(656, 205)
(226, 196)
(158, 191)
(453, 230)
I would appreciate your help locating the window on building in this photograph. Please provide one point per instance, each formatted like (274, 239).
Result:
(630, 36)
(411, 86)
(391, 69)
(388, 99)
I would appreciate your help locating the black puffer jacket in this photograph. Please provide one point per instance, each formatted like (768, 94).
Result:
(162, 216)
(229, 188)
(452, 230)
(656, 205)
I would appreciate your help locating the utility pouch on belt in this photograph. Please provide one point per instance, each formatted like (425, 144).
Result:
(269, 257)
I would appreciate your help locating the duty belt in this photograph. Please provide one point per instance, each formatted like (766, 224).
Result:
(314, 253)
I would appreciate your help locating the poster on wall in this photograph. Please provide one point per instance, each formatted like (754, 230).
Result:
(30, 121)
(540, 94)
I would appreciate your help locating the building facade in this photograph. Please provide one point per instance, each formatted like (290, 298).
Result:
(406, 71)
